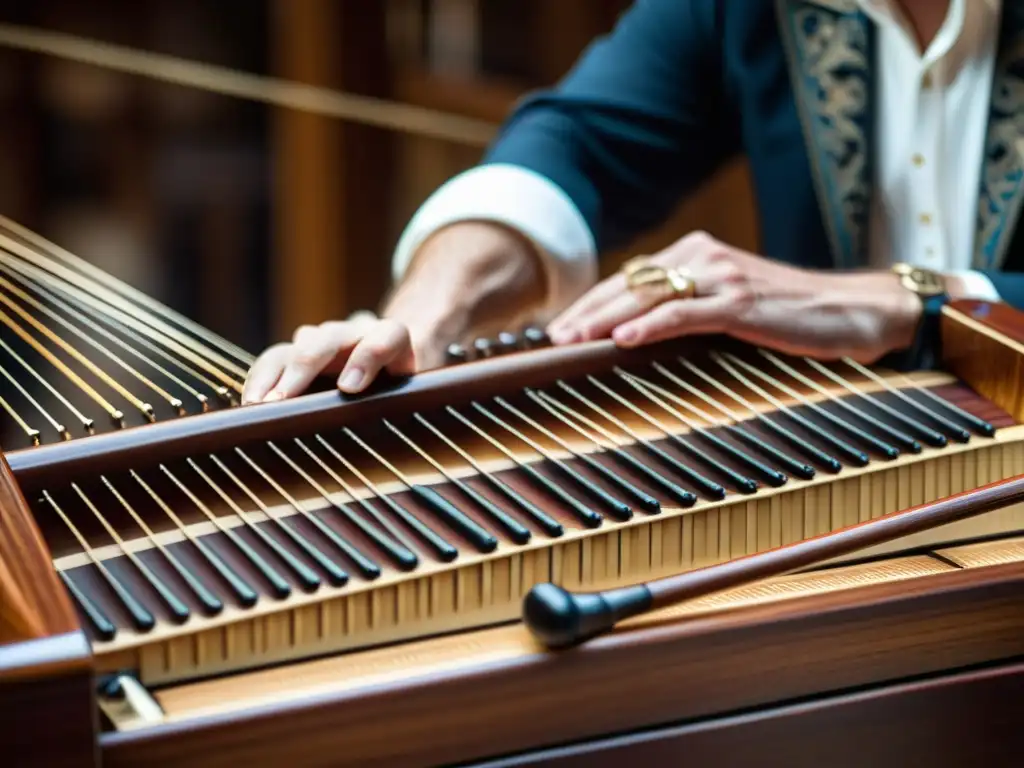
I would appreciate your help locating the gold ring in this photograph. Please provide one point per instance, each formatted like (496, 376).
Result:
(682, 284)
(635, 264)
(669, 283)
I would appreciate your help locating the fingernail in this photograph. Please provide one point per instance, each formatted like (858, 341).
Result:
(564, 336)
(273, 395)
(351, 380)
(625, 335)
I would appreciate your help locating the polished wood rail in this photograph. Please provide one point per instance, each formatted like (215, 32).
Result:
(389, 397)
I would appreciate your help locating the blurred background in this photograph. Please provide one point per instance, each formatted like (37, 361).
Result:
(253, 219)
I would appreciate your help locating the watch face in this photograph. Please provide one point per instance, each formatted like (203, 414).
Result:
(923, 282)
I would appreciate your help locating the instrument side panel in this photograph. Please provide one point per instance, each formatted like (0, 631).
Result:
(47, 702)
(971, 718)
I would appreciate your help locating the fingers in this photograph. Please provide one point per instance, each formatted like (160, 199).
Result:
(714, 314)
(315, 350)
(363, 319)
(597, 318)
(568, 327)
(265, 373)
(572, 325)
(385, 345)
(356, 349)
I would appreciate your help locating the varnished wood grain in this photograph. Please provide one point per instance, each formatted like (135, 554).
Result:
(1000, 317)
(33, 604)
(47, 710)
(970, 718)
(983, 345)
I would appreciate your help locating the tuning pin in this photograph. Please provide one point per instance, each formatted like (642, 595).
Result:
(507, 342)
(534, 337)
(483, 347)
(455, 354)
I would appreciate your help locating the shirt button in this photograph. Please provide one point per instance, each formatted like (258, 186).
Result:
(917, 160)
(925, 218)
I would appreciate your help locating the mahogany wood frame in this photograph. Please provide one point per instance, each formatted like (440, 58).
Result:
(699, 670)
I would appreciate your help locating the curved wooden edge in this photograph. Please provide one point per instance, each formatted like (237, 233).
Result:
(33, 602)
(47, 699)
(983, 346)
(996, 316)
(323, 411)
(634, 678)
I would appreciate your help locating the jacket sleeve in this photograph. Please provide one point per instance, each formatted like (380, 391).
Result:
(635, 125)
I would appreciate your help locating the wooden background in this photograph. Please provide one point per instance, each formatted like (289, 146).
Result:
(255, 219)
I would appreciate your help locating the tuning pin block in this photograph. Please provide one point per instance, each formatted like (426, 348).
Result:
(484, 348)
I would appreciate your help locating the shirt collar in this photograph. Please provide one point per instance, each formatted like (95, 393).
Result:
(888, 14)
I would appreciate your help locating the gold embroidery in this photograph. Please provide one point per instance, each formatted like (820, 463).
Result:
(828, 45)
(1002, 175)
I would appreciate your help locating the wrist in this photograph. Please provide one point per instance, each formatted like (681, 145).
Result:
(470, 276)
(433, 322)
(879, 299)
(931, 290)
(904, 310)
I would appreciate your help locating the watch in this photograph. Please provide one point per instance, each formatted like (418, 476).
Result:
(930, 287)
(923, 282)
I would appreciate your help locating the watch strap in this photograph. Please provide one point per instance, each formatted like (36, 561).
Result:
(924, 352)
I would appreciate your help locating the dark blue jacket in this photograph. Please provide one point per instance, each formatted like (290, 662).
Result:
(681, 86)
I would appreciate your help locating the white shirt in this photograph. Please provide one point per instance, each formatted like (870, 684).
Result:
(932, 111)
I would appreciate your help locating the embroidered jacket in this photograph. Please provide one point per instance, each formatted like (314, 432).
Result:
(682, 86)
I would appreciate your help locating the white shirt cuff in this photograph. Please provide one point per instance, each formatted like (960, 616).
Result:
(521, 200)
(976, 285)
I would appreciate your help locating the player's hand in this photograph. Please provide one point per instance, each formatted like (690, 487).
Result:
(354, 350)
(821, 314)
